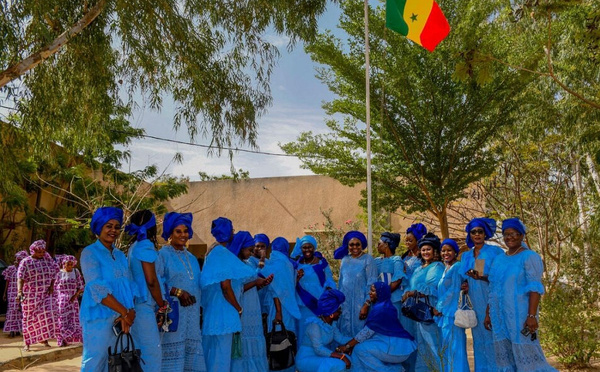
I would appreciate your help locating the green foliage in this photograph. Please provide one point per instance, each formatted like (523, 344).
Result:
(236, 175)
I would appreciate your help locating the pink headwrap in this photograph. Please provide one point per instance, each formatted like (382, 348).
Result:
(20, 255)
(38, 245)
(68, 258)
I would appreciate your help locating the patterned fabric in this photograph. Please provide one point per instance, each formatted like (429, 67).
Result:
(14, 317)
(39, 322)
(65, 287)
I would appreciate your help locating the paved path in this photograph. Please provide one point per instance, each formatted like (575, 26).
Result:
(12, 356)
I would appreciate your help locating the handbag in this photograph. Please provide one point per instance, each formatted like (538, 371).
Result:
(171, 322)
(465, 316)
(418, 309)
(281, 348)
(126, 360)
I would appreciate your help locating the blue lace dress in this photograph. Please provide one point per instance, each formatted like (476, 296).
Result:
(389, 270)
(512, 278)
(356, 277)
(318, 343)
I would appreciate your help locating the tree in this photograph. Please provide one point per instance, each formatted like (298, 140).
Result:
(433, 113)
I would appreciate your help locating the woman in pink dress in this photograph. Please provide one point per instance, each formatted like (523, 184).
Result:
(35, 285)
(68, 286)
(14, 318)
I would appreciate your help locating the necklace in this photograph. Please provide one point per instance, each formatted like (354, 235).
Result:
(517, 251)
(190, 272)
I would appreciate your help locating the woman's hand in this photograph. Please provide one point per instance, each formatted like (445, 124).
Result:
(299, 275)
(343, 357)
(408, 294)
(19, 297)
(185, 299)
(531, 323)
(50, 290)
(487, 322)
(364, 311)
(435, 312)
(465, 287)
(261, 283)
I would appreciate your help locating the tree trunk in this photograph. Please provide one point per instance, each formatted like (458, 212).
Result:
(18, 69)
(593, 171)
(442, 217)
(583, 222)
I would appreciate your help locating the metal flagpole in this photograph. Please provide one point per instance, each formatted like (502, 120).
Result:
(368, 108)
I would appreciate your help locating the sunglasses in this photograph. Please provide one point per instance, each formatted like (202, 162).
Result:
(477, 232)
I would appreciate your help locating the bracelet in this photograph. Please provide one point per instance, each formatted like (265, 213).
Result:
(241, 311)
(343, 356)
(178, 292)
(531, 315)
(368, 302)
(126, 313)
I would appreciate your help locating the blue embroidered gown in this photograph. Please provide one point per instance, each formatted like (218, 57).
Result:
(454, 340)
(221, 319)
(254, 352)
(429, 341)
(182, 350)
(379, 353)
(104, 274)
(512, 279)
(144, 330)
(479, 291)
(356, 277)
(318, 343)
(411, 263)
(392, 267)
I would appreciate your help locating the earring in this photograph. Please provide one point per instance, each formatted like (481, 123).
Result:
(331, 316)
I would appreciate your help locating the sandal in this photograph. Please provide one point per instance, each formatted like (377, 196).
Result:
(45, 343)
(26, 348)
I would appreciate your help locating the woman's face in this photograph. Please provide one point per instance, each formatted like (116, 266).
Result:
(246, 252)
(308, 251)
(411, 241)
(512, 238)
(477, 235)
(427, 253)
(38, 253)
(382, 247)
(260, 250)
(448, 254)
(373, 294)
(110, 232)
(355, 247)
(180, 236)
(337, 314)
(69, 266)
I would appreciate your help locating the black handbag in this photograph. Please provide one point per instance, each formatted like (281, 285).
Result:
(281, 348)
(418, 309)
(126, 360)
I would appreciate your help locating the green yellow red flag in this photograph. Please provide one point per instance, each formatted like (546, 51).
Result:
(422, 21)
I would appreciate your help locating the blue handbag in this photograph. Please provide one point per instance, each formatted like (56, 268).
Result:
(172, 317)
(418, 309)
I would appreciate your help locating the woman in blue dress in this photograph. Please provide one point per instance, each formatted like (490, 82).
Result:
(357, 273)
(423, 283)
(316, 352)
(254, 352)
(313, 277)
(515, 292)
(477, 286)
(390, 268)
(383, 344)
(109, 292)
(454, 340)
(182, 350)
(143, 265)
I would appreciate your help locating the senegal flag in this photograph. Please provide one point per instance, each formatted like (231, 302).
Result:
(422, 21)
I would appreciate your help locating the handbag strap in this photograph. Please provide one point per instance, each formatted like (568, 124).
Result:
(119, 341)
(467, 302)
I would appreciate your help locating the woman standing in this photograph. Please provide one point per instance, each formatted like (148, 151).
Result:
(14, 318)
(182, 350)
(357, 273)
(143, 264)
(108, 297)
(423, 283)
(316, 352)
(68, 287)
(314, 276)
(35, 288)
(477, 286)
(390, 268)
(454, 340)
(515, 291)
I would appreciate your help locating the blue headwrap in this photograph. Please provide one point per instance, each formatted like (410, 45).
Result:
(383, 317)
(514, 223)
(221, 229)
(262, 238)
(430, 239)
(280, 245)
(133, 229)
(487, 224)
(342, 251)
(174, 219)
(300, 242)
(392, 240)
(418, 230)
(241, 239)
(329, 302)
(451, 243)
(103, 215)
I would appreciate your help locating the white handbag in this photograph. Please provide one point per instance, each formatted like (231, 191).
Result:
(465, 317)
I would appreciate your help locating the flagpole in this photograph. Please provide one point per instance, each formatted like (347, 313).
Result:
(368, 109)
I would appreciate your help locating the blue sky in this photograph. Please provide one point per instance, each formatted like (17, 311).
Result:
(297, 99)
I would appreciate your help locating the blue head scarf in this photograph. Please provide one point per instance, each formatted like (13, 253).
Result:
(221, 229)
(452, 243)
(103, 215)
(487, 224)
(242, 239)
(418, 230)
(141, 231)
(262, 238)
(392, 240)
(430, 239)
(329, 302)
(280, 245)
(514, 223)
(383, 317)
(300, 242)
(342, 251)
(174, 219)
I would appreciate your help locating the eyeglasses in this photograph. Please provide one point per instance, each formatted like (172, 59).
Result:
(354, 245)
(511, 235)
(477, 232)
